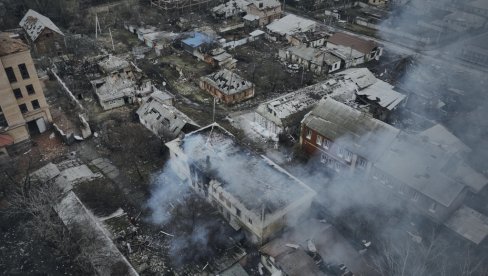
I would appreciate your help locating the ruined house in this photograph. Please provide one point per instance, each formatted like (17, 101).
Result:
(44, 36)
(313, 39)
(227, 86)
(260, 197)
(432, 180)
(353, 50)
(121, 83)
(158, 114)
(230, 9)
(178, 5)
(218, 57)
(283, 115)
(311, 59)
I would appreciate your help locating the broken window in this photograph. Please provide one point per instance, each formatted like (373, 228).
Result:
(238, 212)
(35, 104)
(10, 74)
(249, 220)
(319, 140)
(23, 71)
(23, 108)
(17, 93)
(309, 134)
(361, 162)
(30, 89)
(3, 121)
(326, 143)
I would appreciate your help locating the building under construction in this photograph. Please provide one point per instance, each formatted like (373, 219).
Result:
(179, 5)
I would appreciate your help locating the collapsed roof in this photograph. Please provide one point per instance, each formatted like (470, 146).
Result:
(228, 82)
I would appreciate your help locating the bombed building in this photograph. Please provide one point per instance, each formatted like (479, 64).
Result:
(227, 86)
(260, 197)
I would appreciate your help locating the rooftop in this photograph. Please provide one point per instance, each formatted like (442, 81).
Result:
(438, 135)
(11, 45)
(314, 55)
(109, 88)
(258, 183)
(358, 44)
(197, 39)
(291, 24)
(420, 165)
(34, 24)
(266, 4)
(362, 133)
(469, 223)
(228, 82)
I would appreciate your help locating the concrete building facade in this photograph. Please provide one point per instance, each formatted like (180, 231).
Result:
(23, 107)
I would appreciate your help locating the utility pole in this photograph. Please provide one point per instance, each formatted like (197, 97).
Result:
(111, 38)
(97, 26)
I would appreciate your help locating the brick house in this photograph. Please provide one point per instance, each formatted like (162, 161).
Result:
(227, 86)
(44, 36)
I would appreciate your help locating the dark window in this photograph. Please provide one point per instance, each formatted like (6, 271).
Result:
(238, 212)
(3, 121)
(35, 104)
(30, 89)
(17, 93)
(23, 71)
(23, 108)
(10, 74)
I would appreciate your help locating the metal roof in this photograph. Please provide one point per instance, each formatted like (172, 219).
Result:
(34, 24)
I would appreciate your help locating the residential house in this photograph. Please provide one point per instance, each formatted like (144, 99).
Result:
(312, 59)
(353, 50)
(227, 86)
(313, 39)
(264, 11)
(158, 114)
(259, 197)
(196, 43)
(44, 36)
(23, 107)
(290, 25)
(469, 224)
(218, 57)
(430, 179)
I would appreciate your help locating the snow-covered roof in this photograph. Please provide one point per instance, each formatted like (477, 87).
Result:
(34, 24)
(256, 33)
(266, 4)
(291, 24)
(250, 17)
(227, 82)
(468, 223)
(313, 55)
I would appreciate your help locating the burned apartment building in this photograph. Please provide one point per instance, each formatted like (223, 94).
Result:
(158, 114)
(23, 107)
(432, 179)
(120, 85)
(227, 86)
(250, 191)
(311, 59)
(43, 35)
(283, 115)
(353, 50)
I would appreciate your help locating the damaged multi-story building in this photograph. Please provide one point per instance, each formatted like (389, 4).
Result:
(250, 191)
(227, 86)
(43, 35)
(283, 115)
(426, 170)
(23, 107)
